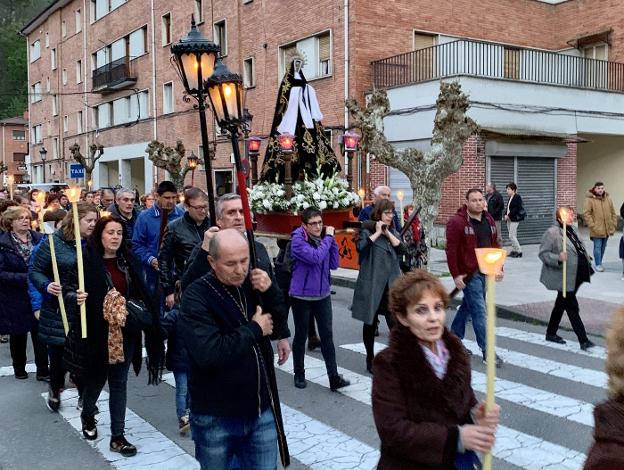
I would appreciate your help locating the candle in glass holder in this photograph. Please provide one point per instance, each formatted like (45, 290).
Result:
(362, 194)
(400, 195)
(10, 181)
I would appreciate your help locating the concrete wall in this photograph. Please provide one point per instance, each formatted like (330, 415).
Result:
(601, 159)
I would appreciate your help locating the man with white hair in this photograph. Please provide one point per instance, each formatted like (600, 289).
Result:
(123, 209)
(380, 192)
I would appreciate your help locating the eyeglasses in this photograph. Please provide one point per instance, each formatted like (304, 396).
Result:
(199, 208)
(388, 213)
(22, 218)
(316, 224)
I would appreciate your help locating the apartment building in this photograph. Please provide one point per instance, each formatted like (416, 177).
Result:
(543, 76)
(14, 147)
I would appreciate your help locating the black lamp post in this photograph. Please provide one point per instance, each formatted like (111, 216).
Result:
(192, 161)
(43, 153)
(194, 59)
(225, 90)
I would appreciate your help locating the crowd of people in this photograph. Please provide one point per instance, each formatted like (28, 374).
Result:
(163, 274)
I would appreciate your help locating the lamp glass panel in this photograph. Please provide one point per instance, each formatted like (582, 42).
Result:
(207, 64)
(217, 105)
(190, 66)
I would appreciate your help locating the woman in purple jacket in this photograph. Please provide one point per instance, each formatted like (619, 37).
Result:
(314, 252)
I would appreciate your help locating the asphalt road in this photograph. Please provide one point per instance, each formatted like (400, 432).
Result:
(546, 393)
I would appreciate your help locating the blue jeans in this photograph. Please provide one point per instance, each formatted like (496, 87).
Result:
(182, 396)
(600, 245)
(218, 439)
(473, 304)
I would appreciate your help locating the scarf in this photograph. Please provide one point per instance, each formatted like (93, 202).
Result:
(438, 362)
(24, 248)
(115, 314)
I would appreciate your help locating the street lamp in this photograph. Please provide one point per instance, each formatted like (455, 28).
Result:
(225, 90)
(350, 142)
(192, 161)
(194, 59)
(43, 153)
(253, 149)
(286, 143)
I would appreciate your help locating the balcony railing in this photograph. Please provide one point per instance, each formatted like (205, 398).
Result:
(113, 76)
(488, 60)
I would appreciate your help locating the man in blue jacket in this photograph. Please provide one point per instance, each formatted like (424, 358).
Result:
(314, 252)
(149, 228)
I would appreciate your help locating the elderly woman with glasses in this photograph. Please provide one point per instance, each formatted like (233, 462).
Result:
(16, 314)
(379, 248)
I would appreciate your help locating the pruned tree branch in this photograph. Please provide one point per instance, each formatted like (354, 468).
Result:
(169, 159)
(95, 153)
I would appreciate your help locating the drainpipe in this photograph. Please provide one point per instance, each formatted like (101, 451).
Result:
(154, 109)
(85, 66)
(346, 72)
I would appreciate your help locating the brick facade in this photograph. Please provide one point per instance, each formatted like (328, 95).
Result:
(14, 146)
(566, 178)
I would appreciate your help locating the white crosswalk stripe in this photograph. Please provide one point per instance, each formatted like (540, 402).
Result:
(515, 447)
(540, 400)
(538, 339)
(7, 371)
(581, 375)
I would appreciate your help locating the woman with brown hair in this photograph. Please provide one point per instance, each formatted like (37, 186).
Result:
(424, 407)
(379, 248)
(16, 315)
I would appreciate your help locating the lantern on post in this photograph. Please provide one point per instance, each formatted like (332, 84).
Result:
(286, 144)
(43, 153)
(350, 141)
(253, 149)
(192, 160)
(194, 59)
(491, 262)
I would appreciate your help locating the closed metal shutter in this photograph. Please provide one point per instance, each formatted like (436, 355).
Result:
(535, 178)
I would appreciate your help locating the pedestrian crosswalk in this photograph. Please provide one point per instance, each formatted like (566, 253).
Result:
(554, 385)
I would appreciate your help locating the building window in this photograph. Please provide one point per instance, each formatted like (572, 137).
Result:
(596, 51)
(79, 71)
(35, 90)
(65, 123)
(102, 115)
(35, 50)
(47, 40)
(198, 11)
(79, 125)
(36, 134)
(136, 42)
(48, 84)
(19, 135)
(53, 58)
(64, 28)
(316, 51)
(100, 8)
(223, 182)
(78, 21)
(55, 105)
(249, 73)
(64, 76)
(121, 111)
(220, 36)
(168, 98)
(166, 29)
(55, 148)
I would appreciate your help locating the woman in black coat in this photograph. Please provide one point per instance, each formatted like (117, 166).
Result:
(16, 314)
(108, 264)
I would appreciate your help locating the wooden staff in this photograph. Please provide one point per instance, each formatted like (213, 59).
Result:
(564, 218)
(50, 231)
(73, 194)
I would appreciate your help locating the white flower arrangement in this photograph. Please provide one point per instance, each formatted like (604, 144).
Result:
(329, 193)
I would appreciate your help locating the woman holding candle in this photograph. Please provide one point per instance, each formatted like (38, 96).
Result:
(106, 353)
(16, 317)
(578, 271)
(379, 248)
(424, 407)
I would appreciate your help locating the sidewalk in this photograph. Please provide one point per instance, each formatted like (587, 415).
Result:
(520, 295)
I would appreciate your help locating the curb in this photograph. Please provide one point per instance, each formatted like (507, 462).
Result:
(503, 311)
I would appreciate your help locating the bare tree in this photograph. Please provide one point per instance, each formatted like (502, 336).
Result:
(425, 171)
(3, 167)
(95, 153)
(169, 159)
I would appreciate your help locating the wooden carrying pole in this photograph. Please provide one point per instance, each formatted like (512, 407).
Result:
(73, 194)
(57, 279)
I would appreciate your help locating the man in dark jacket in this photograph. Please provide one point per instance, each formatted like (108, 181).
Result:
(514, 215)
(471, 227)
(123, 209)
(235, 407)
(495, 207)
(181, 236)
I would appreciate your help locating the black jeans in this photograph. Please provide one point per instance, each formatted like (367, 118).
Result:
(57, 371)
(17, 345)
(117, 377)
(570, 305)
(321, 310)
(312, 327)
(368, 331)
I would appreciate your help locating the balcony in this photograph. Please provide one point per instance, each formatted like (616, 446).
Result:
(114, 76)
(497, 61)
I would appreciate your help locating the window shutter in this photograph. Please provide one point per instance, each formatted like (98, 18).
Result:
(422, 41)
(324, 47)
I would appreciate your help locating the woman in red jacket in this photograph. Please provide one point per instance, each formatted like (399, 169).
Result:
(425, 410)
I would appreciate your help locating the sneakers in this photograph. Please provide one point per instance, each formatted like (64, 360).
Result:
(183, 425)
(89, 430)
(300, 381)
(600, 269)
(498, 361)
(555, 339)
(586, 345)
(313, 342)
(54, 400)
(337, 381)
(121, 445)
